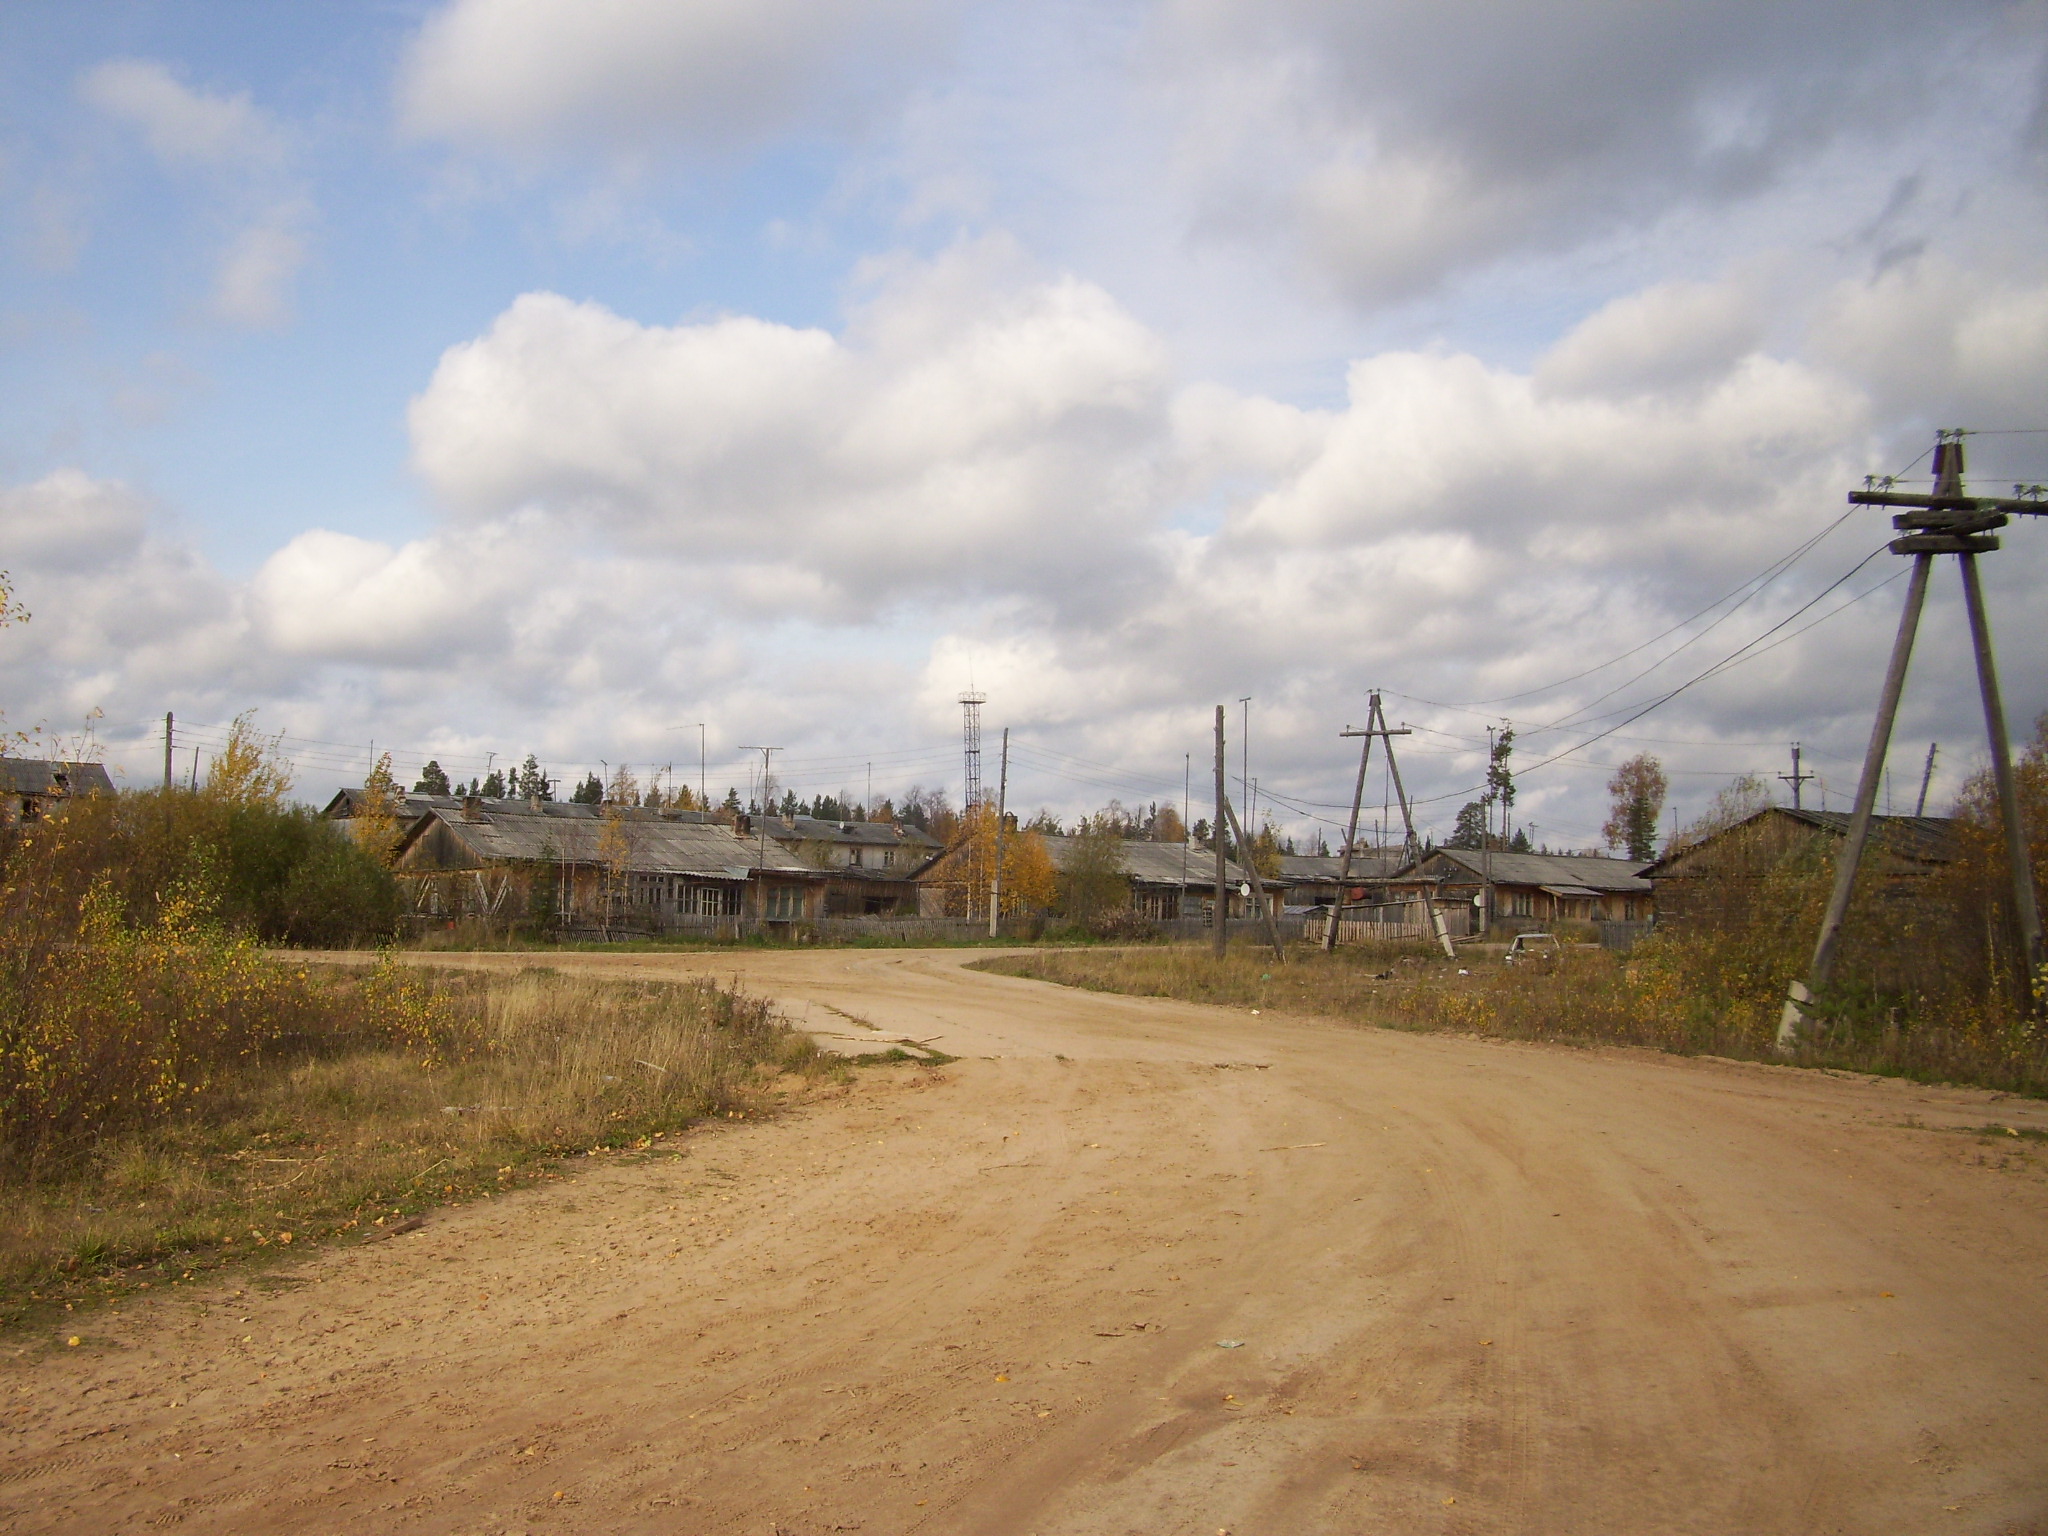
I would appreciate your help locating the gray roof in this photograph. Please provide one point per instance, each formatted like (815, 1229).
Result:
(655, 842)
(347, 802)
(1540, 869)
(36, 776)
(1925, 839)
(1366, 864)
(1154, 863)
(868, 834)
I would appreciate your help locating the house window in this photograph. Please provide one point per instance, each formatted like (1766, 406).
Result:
(888, 857)
(1521, 903)
(784, 903)
(853, 858)
(708, 901)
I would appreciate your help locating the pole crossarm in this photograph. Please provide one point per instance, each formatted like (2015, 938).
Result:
(2034, 505)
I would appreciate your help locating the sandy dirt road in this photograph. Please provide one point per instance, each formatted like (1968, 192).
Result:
(1132, 1266)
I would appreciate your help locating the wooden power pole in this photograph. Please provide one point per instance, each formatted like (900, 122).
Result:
(995, 879)
(1943, 522)
(1224, 813)
(1220, 912)
(1376, 727)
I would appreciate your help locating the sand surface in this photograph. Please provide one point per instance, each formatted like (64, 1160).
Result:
(1130, 1266)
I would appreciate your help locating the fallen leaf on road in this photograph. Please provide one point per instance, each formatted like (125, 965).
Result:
(1230, 1343)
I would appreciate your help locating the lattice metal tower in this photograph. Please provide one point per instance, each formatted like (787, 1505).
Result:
(970, 731)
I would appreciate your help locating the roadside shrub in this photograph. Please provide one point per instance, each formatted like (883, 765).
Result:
(281, 874)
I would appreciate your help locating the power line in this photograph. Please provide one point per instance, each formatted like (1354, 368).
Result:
(1746, 653)
(1760, 581)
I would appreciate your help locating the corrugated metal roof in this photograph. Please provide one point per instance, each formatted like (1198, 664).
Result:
(653, 843)
(1540, 869)
(871, 834)
(1155, 863)
(1365, 865)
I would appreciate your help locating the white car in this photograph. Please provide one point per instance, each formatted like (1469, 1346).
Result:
(1530, 946)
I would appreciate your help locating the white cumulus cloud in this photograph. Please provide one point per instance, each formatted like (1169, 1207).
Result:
(967, 427)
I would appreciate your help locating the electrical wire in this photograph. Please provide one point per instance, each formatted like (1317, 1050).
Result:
(1748, 652)
(1759, 582)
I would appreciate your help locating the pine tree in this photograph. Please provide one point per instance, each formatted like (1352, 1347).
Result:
(529, 783)
(433, 780)
(1638, 788)
(1500, 781)
(1470, 830)
(589, 792)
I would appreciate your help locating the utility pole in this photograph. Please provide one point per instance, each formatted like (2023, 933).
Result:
(1187, 789)
(1486, 841)
(767, 802)
(703, 800)
(1225, 813)
(1244, 761)
(1220, 912)
(1372, 710)
(1258, 885)
(168, 724)
(1795, 778)
(1943, 522)
(995, 881)
(1926, 779)
(1376, 726)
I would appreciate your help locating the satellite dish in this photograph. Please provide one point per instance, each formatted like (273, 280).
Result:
(1244, 888)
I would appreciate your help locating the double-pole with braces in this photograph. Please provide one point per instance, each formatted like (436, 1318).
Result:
(1944, 521)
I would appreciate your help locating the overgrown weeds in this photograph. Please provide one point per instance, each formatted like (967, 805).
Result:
(1670, 994)
(417, 1088)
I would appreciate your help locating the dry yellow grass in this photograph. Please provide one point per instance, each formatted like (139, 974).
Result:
(337, 1136)
(1689, 997)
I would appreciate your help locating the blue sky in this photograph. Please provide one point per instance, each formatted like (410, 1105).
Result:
(506, 375)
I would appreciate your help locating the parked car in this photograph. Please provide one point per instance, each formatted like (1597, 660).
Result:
(1531, 946)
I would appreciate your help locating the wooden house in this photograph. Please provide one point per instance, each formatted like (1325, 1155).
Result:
(1167, 880)
(30, 788)
(1310, 879)
(605, 868)
(1705, 880)
(869, 866)
(1523, 892)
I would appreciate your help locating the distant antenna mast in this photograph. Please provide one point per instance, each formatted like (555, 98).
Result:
(1795, 778)
(970, 733)
(1926, 778)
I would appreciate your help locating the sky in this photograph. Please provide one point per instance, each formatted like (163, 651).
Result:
(484, 377)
